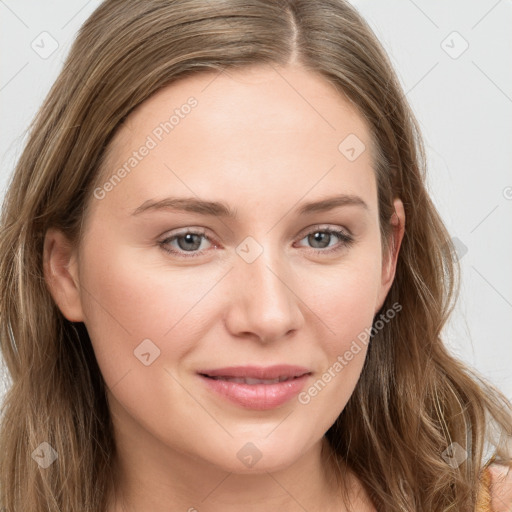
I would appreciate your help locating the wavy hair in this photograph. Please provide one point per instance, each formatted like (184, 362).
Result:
(413, 399)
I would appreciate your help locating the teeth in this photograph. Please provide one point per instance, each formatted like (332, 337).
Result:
(248, 380)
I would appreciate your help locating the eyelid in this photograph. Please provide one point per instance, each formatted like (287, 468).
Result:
(184, 231)
(324, 227)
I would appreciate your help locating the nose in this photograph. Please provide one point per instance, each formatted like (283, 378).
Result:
(264, 303)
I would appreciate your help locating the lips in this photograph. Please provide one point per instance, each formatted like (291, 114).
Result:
(250, 381)
(256, 374)
(257, 388)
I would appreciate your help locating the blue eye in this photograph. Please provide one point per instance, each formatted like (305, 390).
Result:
(190, 241)
(322, 238)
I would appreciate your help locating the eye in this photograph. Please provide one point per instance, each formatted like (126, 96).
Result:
(187, 242)
(190, 241)
(321, 239)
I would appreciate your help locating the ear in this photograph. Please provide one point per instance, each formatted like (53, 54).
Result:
(390, 258)
(61, 274)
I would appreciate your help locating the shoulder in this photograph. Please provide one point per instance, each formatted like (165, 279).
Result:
(496, 489)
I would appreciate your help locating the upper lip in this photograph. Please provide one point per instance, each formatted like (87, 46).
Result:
(257, 372)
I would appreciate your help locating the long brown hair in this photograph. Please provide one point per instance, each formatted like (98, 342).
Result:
(413, 400)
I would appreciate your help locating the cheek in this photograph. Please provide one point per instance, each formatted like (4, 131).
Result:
(348, 315)
(127, 303)
(343, 298)
(345, 303)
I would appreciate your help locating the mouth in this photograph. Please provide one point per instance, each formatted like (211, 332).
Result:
(257, 374)
(251, 381)
(257, 388)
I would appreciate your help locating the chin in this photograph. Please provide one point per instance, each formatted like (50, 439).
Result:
(254, 454)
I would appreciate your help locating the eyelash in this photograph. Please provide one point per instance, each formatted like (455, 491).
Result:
(345, 242)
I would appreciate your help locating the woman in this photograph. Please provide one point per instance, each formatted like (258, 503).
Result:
(290, 358)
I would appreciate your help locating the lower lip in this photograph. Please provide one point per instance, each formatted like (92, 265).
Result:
(257, 396)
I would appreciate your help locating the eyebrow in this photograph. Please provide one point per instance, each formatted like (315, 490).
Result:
(221, 209)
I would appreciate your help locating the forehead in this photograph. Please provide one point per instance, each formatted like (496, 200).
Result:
(242, 129)
(227, 101)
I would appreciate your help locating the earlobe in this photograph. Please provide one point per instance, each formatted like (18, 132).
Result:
(61, 274)
(389, 262)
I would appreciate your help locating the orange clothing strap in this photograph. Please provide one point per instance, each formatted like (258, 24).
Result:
(483, 502)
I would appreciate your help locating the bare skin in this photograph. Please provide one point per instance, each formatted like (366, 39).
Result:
(265, 143)
(501, 487)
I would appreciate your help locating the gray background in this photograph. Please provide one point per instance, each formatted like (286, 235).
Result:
(461, 96)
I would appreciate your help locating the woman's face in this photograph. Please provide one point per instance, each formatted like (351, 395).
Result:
(172, 292)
